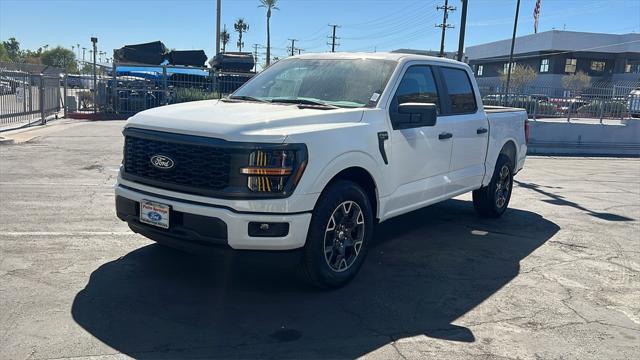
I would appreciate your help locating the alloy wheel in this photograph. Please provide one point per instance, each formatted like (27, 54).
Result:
(503, 186)
(344, 236)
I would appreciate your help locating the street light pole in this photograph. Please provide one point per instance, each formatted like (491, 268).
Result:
(218, 27)
(94, 40)
(463, 26)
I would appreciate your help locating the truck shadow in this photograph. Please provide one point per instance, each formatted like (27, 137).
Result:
(560, 200)
(425, 270)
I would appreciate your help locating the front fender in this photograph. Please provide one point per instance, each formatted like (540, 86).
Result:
(344, 161)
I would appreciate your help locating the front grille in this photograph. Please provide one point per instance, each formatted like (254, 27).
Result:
(196, 168)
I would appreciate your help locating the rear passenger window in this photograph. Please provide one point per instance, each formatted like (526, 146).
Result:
(461, 95)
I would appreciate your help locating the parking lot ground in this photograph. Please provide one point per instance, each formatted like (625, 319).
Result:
(557, 277)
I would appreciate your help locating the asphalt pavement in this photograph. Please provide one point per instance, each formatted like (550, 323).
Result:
(557, 277)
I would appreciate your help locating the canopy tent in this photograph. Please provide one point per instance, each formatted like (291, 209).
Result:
(187, 57)
(155, 53)
(152, 53)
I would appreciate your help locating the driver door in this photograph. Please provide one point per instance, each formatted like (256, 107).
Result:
(419, 156)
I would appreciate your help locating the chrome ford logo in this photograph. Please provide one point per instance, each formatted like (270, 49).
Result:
(162, 162)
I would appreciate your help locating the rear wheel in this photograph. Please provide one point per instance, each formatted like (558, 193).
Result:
(492, 200)
(339, 234)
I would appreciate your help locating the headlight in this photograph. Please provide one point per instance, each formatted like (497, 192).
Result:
(275, 171)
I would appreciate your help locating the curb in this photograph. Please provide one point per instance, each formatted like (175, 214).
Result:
(6, 141)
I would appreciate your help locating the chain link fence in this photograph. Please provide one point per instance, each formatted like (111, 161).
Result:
(599, 101)
(27, 99)
(125, 89)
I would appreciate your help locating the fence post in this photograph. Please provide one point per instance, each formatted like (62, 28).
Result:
(64, 102)
(30, 95)
(43, 116)
(24, 91)
(114, 86)
(58, 96)
(165, 95)
(535, 109)
(602, 104)
(569, 110)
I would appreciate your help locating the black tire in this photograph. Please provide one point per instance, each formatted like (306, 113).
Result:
(327, 270)
(492, 201)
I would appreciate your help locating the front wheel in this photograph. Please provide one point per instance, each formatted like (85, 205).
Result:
(339, 235)
(492, 200)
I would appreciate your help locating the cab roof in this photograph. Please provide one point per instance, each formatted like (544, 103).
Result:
(400, 57)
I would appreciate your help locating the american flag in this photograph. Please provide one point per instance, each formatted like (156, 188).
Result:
(536, 16)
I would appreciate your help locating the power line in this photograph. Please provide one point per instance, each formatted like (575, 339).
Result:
(444, 24)
(333, 38)
(384, 20)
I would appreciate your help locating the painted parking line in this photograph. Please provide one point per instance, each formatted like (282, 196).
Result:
(65, 233)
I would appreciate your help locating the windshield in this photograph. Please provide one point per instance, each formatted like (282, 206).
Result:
(336, 82)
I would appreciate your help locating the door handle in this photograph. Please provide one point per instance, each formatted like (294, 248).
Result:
(445, 135)
(481, 131)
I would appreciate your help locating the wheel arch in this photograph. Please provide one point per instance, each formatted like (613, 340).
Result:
(364, 179)
(510, 150)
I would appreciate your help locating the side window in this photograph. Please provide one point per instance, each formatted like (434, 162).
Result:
(461, 95)
(417, 86)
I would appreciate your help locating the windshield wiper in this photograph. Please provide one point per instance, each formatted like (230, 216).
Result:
(243, 97)
(303, 102)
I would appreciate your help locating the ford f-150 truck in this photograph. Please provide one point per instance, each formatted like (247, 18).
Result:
(314, 151)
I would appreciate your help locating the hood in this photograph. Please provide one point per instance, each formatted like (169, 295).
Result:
(239, 121)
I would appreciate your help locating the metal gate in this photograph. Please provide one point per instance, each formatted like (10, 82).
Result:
(27, 99)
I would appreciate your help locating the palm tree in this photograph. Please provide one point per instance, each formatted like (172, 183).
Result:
(241, 27)
(224, 38)
(269, 5)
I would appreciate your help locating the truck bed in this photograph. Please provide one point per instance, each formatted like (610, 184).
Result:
(499, 109)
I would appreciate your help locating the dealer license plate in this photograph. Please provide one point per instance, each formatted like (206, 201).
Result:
(154, 213)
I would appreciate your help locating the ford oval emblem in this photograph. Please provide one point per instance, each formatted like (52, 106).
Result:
(162, 162)
(154, 216)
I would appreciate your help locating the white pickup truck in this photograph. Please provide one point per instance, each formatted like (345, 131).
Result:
(314, 151)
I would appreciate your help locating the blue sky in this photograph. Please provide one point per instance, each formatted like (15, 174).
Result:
(365, 25)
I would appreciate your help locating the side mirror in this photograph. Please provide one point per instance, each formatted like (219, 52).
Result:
(420, 114)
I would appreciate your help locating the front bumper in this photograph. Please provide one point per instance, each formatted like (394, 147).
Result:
(203, 225)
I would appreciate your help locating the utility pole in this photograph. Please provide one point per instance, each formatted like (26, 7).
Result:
(299, 51)
(333, 38)
(513, 43)
(444, 24)
(255, 57)
(463, 26)
(293, 44)
(218, 27)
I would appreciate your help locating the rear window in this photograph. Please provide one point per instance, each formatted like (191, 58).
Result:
(461, 95)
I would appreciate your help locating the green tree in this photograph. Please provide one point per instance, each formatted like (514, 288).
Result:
(60, 57)
(12, 46)
(520, 76)
(576, 82)
(87, 68)
(269, 5)
(4, 55)
(224, 38)
(241, 27)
